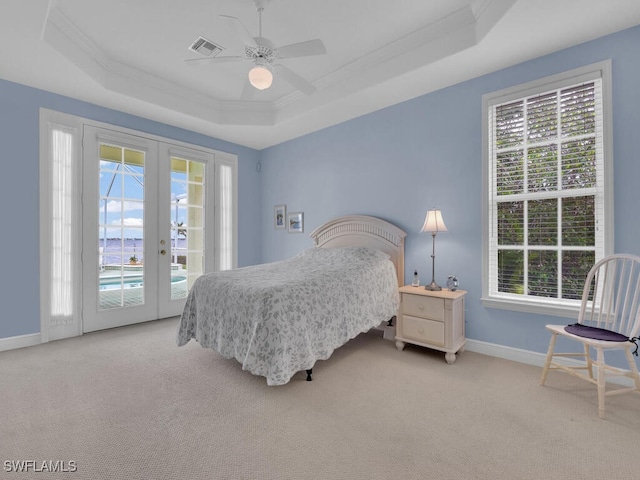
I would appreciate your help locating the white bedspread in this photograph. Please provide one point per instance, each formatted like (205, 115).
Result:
(278, 318)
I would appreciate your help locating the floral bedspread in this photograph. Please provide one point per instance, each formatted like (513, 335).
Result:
(279, 318)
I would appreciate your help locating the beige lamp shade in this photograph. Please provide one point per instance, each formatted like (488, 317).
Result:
(433, 222)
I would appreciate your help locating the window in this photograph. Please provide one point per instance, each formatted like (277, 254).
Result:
(548, 205)
(62, 238)
(59, 211)
(226, 215)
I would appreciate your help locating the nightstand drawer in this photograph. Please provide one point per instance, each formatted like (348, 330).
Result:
(421, 306)
(423, 330)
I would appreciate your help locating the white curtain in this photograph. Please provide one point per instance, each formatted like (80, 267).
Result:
(62, 238)
(226, 217)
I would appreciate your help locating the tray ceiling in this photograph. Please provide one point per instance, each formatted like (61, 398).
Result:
(131, 55)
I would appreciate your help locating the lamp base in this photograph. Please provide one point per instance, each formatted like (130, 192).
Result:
(433, 286)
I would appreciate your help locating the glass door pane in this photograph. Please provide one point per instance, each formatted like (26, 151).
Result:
(121, 227)
(186, 225)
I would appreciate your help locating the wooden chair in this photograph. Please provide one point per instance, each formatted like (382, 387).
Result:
(609, 319)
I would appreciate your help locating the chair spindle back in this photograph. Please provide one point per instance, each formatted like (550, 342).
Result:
(611, 295)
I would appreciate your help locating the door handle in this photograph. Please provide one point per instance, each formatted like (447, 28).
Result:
(163, 252)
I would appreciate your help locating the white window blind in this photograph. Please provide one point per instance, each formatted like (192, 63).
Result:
(546, 191)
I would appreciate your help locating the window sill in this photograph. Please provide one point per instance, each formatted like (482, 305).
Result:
(540, 307)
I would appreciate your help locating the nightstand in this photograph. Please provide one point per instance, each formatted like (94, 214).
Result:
(431, 319)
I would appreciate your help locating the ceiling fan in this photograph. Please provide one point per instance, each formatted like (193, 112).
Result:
(266, 56)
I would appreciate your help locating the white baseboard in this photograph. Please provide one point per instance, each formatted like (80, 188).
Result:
(508, 353)
(528, 357)
(20, 341)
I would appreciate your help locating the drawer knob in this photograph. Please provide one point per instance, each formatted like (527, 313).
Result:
(421, 307)
(421, 330)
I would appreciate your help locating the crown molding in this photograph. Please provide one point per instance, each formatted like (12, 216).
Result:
(65, 37)
(453, 33)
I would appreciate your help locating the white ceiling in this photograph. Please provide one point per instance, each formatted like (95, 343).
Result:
(130, 54)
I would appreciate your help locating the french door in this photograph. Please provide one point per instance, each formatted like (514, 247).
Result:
(144, 232)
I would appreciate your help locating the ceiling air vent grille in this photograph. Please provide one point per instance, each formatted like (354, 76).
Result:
(205, 47)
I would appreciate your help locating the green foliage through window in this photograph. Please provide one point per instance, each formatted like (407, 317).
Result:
(546, 191)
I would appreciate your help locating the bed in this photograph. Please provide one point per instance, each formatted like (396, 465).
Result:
(279, 318)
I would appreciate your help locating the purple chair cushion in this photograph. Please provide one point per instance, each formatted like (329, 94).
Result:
(595, 333)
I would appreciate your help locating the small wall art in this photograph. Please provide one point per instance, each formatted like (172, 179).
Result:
(279, 216)
(295, 222)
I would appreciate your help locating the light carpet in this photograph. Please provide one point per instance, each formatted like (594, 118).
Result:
(128, 404)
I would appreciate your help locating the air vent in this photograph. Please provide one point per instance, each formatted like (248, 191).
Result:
(205, 47)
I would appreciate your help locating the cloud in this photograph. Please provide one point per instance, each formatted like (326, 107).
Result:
(132, 222)
(115, 206)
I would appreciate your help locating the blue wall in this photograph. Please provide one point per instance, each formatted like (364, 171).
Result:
(19, 146)
(395, 164)
(398, 162)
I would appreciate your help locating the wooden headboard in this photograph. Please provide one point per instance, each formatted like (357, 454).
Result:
(364, 231)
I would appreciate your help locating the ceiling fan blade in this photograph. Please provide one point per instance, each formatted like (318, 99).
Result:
(295, 79)
(240, 29)
(195, 61)
(247, 91)
(302, 49)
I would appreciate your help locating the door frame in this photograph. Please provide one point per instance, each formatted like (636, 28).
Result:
(56, 328)
(93, 317)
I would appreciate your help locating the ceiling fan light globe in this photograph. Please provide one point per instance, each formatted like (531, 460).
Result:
(260, 77)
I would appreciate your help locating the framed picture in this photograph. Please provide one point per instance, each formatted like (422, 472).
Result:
(295, 221)
(279, 215)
